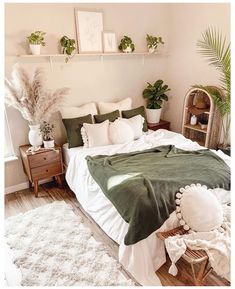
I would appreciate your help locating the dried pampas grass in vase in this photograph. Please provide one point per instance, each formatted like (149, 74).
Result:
(29, 96)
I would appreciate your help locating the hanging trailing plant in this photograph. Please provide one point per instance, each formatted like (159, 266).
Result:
(68, 46)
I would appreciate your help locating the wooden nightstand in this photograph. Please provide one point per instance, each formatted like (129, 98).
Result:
(162, 124)
(43, 164)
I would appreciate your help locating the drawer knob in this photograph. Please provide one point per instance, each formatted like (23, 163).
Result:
(47, 171)
(45, 158)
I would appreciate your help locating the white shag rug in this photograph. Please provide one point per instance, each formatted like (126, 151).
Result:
(52, 247)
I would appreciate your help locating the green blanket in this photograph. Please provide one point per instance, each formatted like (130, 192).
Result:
(142, 185)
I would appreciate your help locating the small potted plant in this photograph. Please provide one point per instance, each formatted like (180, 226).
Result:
(152, 42)
(68, 46)
(47, 134)
(155, 95)
(126, 45)
(36, 40)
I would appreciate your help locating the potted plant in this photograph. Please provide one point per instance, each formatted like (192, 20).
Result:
(155, 95)
(126, 45)
(47, 134)
(152, 42)
(68, 46)
(213, 46)
(27, 93)
(36, 39)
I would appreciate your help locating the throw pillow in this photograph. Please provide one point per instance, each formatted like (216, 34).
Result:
(77, 111)
(107, 107)
(97, 134)
(136, 123)
(132, 112)
(120, 132)
(107, 116)
(198, 209)
(73, 128)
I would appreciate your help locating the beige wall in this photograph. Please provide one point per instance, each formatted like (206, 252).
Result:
(114, 78)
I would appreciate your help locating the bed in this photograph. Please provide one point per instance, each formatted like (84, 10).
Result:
(143, 258)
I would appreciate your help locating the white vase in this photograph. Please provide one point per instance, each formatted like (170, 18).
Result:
(153, 115)
(35, 136)
(35, 49)
(151, 49)
(127, 50)
(49, 144)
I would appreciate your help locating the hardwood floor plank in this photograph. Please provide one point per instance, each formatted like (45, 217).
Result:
(23, 201)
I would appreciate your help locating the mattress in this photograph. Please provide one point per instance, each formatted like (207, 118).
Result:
(68, 153)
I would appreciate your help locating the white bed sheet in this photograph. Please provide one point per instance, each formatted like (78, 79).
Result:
(145, 257)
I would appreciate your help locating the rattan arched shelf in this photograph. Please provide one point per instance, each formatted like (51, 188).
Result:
(207, 129)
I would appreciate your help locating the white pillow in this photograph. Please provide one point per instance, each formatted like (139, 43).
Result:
(77, 111)
(96, 134)
(198, 209)
(120, 132)
(136, 123)
(106, 107)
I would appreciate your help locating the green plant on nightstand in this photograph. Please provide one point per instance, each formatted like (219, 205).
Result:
(152, 42)
(36, 40)
(155, 95)
(68, 46)
(47, 130)
(126, 45)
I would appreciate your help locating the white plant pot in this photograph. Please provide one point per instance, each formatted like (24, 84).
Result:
(35, 136)
(152, 49)
(153, 115)
(127, 50)
(35, 49)
(49, 144)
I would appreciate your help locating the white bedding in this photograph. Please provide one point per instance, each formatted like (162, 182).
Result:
(145, 257)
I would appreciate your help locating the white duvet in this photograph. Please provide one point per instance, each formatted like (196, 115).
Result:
(145, 257)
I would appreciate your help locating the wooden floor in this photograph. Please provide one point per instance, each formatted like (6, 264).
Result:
(24, 200)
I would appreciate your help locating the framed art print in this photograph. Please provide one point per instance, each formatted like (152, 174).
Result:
(89, 28)
(109, 41)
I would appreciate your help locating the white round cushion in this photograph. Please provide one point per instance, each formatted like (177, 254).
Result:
(198, 209)
(120, 132)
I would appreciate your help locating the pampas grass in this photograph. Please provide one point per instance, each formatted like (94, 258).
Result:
(30, 97)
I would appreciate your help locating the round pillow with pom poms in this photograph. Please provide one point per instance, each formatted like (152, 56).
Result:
(198, 209)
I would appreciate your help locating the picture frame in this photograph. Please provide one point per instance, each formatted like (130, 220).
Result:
(89, 29)
(110, 42)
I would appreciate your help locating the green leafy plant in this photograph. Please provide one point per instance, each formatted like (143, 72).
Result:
(68, 46)
(125, 43)
(155, 94)
(37, 38)
(153, 41)
(215, 48)
(47, 131)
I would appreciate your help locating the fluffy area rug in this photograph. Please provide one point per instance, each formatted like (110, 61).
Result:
(52, 247)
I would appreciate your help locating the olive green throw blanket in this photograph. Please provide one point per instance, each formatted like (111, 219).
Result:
(142, 185)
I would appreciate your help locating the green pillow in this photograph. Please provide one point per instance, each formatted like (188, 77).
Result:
(73, 128)
(135, 111)
(110, 116)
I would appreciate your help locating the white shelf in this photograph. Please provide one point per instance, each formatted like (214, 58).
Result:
(91, 54)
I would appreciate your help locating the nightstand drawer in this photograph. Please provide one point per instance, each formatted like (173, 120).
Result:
(45, 158)
(47, 171)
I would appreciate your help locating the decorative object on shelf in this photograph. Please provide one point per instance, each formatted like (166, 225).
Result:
(203, 123)
(155, 95)
(109, 41)
(47, 134)
(89, 27)
(68, 46)
(152, 42)
(28, 95)
(209, 136)
(200, 101)
(36, 40)
(215, 48)
(126, 45)
(193, 120)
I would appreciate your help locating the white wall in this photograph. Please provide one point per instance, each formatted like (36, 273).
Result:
(115, 78)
